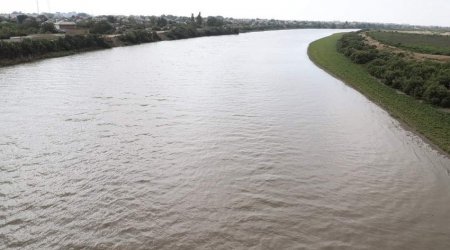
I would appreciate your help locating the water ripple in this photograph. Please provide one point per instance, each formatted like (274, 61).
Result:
(246, 147)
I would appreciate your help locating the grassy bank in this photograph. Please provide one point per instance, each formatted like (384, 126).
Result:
(428, 121)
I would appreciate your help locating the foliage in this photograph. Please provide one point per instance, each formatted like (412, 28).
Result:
(48, 27)
(199, 19)
(187, 31)
(182, 32)
(425, 80)
(101, 27)
(424, 118)
(214, 21)
(30, 22)
(21, 18)
(161, 22)
(139, 36)
(35, 48)
(10, 29)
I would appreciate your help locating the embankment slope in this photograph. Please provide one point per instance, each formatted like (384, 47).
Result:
(428, 121)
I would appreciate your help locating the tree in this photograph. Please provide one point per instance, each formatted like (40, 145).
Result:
(83, 15)
(161, 22)
(102, 27)
(436, 94)
(111, 19)
(363, 56)
(192, 18)
(153, 21)
(444, 78)
(21, 18)
(411, 86)
(199, 19)
(30, 22)
(214, 21)
(48, 27)
(42, 18)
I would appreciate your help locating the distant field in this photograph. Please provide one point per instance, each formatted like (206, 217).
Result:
(422, 43)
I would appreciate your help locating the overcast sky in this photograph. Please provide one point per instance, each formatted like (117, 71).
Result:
(422, 12)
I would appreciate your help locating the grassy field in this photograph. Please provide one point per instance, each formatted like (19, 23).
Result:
(422, 43)
(423, 118)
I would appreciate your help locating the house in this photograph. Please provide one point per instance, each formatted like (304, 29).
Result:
(65, 26)
(70, 28)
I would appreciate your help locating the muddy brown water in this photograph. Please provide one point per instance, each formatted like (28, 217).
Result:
(231, 142)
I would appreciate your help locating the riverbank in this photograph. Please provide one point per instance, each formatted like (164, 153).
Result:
(426, 120)
(12, 62)
(105, 42)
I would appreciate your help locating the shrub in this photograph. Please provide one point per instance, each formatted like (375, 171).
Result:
(427, 80)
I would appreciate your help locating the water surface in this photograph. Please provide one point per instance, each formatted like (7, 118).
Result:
(231, 142)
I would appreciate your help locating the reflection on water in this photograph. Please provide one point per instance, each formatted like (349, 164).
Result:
(217, 143)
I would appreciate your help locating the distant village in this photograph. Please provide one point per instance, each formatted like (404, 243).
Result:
(18, 26)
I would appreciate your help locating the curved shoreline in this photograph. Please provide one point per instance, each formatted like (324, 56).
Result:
(112, 42)
(426, 121)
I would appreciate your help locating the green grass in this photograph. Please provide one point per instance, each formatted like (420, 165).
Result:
(422, 43)
(423, 118)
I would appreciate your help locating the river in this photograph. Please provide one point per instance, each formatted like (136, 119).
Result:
(230, 142)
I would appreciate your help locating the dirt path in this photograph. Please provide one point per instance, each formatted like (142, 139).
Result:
(410, 54)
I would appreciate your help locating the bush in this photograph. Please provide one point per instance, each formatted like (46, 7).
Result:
(427, 80)
(363, 57)
(48, 28)
(436, 94)
(102, 27)
(139, 36)
(32, 48)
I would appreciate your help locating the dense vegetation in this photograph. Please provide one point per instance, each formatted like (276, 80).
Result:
(427, 120)
(422, 43)
(36, 48)
(22, 25)
(129, 30)
(188, 31)
(426, 80)
(139, 36)
(179, 32)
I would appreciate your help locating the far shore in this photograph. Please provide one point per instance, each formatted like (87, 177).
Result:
(114, 41)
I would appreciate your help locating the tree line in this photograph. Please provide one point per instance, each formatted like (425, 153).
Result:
(424, 80)
(188, 31)
(35, 48)
(138, 37)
